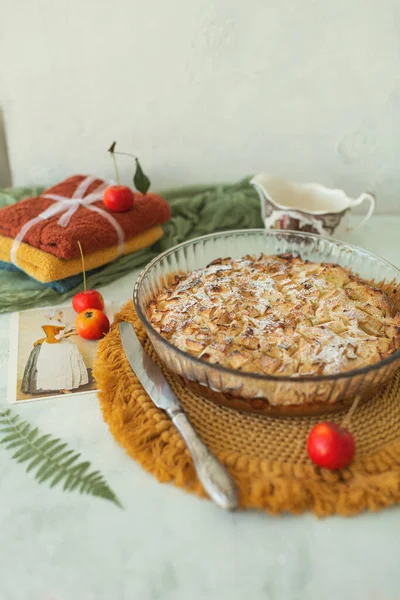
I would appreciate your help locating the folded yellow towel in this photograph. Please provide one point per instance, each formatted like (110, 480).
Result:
(46, 267)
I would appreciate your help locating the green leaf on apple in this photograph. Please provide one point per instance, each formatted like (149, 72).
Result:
(140, 180)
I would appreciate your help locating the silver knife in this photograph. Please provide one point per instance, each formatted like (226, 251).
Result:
(215, 479)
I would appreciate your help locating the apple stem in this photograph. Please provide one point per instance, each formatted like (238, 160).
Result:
(126, 154)
(116, 167)
(350, 413)
(83, 266)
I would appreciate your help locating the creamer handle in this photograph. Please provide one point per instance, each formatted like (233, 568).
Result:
(371, 199)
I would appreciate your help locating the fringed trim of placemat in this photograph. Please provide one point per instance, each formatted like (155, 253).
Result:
(266, 456)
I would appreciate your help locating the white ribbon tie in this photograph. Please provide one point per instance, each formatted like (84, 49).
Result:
(68, 207)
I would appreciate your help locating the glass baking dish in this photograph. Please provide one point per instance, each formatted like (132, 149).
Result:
(268, 394)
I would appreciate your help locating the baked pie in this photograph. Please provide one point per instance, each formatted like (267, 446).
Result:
(277, 315)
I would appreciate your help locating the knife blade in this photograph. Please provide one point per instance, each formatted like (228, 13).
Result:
(214, 477)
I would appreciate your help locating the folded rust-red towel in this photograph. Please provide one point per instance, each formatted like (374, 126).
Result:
(90, 228)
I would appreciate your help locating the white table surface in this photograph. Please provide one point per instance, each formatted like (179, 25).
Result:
(166, 544)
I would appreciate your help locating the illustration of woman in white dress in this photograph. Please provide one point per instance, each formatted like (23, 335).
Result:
(55, 363)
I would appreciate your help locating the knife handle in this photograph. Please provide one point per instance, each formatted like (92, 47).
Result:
(214, 477)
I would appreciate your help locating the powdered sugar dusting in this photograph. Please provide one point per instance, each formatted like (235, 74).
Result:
(277, 314)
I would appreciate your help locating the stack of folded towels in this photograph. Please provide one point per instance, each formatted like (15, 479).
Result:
(46, 247)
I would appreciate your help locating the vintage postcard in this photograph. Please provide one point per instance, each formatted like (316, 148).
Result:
(47, 358)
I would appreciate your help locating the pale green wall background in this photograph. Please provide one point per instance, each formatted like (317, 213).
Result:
(5, 175)
(204, 90)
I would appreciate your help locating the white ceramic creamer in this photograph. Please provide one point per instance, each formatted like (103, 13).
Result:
(306, 206)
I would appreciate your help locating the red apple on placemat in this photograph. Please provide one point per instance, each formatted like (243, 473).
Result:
(330, 446)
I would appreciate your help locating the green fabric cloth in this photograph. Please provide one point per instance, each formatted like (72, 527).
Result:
(195, 211)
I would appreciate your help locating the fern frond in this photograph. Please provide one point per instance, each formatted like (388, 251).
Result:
(50, 460)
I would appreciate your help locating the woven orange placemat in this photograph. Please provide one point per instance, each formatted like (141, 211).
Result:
(266, 456)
